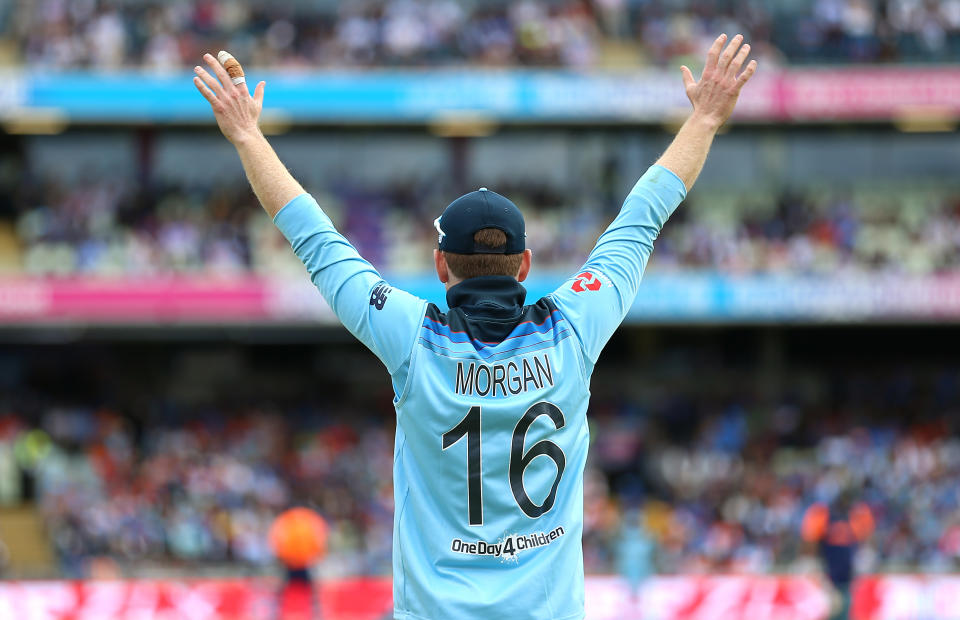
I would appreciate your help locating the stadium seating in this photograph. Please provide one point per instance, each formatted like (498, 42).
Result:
(392, 33)
(220, 231)
(720, 480)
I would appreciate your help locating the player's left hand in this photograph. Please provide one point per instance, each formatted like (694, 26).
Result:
(237, 113)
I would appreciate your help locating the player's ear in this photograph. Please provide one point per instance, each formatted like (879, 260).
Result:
(440, 262)
(525, 265)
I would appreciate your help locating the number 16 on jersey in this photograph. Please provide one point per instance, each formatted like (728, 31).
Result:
(470, 426)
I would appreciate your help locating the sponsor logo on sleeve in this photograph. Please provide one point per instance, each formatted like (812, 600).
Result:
(378, 298)
(586, 281)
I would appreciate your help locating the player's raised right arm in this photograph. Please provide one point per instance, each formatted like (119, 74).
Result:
(713, 97)
(238, 115)
(384, 319)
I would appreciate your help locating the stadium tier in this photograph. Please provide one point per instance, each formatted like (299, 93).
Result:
(160, 227)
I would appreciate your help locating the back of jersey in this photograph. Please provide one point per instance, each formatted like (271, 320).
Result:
(491, 444)
(491, 412)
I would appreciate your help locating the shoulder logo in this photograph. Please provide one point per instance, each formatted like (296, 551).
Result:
(378, 298)
(586, 281)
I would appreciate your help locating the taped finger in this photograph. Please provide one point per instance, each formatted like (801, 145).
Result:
(233, 67)
(220, 72)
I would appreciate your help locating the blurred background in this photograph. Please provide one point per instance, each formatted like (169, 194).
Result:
(170, 381)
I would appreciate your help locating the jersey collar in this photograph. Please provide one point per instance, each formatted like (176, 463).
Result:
(488, 293)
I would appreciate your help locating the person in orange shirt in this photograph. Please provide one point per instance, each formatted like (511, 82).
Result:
(837, 530)
(298, 538)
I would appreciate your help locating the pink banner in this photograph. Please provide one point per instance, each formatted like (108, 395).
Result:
(161, 299)
(118, 300)
(866, 94)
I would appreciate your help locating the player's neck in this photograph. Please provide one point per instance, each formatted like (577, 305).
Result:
(498, 291)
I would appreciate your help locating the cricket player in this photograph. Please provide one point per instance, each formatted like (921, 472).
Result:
(837, 529)
(491, 395)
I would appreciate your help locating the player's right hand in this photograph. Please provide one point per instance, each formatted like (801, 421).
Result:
(237, 113)
(715, 96)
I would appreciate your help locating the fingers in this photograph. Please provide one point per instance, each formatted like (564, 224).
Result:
(258, 94)
(688, 80)
(729, 52)
(205, 91)
(714, 53)
(221, 73)
(747, 74)
(210, 81)
(739, 59)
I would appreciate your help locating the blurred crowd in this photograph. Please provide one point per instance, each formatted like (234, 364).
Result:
(711, 484)
(734, 498)
(206, 492)
(110, 229)
(109, 34)
(897, 230)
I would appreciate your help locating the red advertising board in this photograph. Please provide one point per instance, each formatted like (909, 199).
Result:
(729, 597)
(904, 597)
(733, 597)
(356, 599)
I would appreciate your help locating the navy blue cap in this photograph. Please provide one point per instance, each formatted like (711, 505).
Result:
(475, 211)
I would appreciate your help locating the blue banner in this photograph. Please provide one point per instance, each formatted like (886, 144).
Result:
(703, 297)
(377, 96)
(525, 96)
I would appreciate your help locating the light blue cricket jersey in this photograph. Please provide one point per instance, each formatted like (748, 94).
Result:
(491, 402)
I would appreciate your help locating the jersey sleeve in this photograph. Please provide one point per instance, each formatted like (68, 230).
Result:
(597, 298)
(385, 319)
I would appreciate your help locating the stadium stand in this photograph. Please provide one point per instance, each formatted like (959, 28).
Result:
(573, 33)
(721, 474)
(119, 228)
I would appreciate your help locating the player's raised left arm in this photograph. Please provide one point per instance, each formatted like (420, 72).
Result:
(714, 98)
(624, 248)
(238, 116)
(598, 298)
